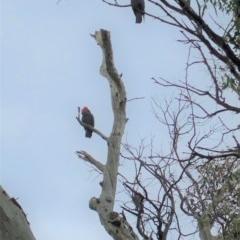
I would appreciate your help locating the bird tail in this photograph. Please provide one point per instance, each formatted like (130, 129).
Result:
(138, 17)
(88, 133)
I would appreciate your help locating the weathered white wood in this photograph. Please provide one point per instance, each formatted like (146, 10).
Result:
(13, 222)
(115, 225)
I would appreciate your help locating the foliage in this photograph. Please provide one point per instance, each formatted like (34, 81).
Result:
(219, 189)
(229, 7)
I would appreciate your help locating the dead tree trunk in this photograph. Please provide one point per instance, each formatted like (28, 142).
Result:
(112, 221)
(13, 221)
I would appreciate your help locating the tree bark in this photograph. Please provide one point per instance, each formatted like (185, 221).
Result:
(13, 221)
(113, 222)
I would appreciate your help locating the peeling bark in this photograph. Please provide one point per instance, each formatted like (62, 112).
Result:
(13, 221)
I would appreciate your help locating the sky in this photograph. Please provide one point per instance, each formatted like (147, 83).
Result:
(49, 66)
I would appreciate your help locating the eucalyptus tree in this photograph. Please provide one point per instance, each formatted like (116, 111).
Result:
(196, 178)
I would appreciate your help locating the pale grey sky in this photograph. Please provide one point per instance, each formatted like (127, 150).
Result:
(49, 66)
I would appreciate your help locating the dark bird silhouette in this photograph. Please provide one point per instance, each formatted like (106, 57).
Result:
(138, 7)
(138, 200)
(87, 118)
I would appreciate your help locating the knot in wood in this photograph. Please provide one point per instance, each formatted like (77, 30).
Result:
(114, 218)
(93, 203)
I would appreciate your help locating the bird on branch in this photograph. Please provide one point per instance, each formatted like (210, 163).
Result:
(138, 200)
(138, 7)
(87, 118)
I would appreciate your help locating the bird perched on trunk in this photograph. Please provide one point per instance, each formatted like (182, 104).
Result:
(138, 7)
(87, 118)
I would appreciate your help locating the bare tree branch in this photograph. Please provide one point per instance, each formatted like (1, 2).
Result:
(116, 225)
(88, 158)
(92, 128)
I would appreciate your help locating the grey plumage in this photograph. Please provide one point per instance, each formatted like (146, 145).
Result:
(138, 7)
(137, 200)
(87, 118)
